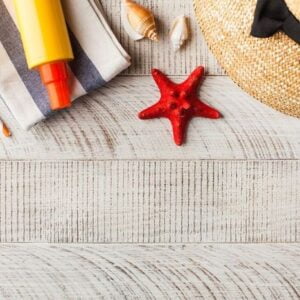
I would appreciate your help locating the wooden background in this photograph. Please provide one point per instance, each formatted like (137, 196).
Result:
(95, 203)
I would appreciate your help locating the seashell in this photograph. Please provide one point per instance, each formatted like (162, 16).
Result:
(138, 21)
(179, 33)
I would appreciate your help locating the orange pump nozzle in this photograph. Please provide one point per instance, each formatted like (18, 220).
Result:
(55, 79)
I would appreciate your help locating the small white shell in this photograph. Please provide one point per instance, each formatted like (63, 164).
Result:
(179, 33)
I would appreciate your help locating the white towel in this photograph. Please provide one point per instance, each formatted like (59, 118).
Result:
(98, 58)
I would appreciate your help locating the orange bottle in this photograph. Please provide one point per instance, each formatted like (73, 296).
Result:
(47, 46)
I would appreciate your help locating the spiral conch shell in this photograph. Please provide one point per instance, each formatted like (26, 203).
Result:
(138, 21)
(180, 32)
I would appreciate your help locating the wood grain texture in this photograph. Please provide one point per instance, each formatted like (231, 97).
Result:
(150, 201)
(104, 125)
(147, 54)
(150, 272)
(96, 174)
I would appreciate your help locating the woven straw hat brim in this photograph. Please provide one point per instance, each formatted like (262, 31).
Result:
(268, 69)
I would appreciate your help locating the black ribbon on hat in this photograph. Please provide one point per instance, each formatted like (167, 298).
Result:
(272, 16)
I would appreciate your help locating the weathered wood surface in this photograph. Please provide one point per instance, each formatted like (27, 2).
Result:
(146, 54)
(150, 201)
(150, 272)
(96, 174)
(104, 125)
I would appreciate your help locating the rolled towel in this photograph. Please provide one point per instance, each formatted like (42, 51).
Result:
(98, 58)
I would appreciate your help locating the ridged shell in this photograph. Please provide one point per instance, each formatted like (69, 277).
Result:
(138, 21)
(179, 33)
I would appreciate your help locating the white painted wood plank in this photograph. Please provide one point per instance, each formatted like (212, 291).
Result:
(104, 125)
(147, 54)
(150, 272)
(150, 201)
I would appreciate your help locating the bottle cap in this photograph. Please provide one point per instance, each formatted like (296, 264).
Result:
(55, 79)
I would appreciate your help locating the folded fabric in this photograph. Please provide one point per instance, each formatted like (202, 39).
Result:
(98, 58)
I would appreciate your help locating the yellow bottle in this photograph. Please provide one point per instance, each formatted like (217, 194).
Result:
(47, 45)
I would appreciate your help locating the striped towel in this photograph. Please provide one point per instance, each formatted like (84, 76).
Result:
(98, 58)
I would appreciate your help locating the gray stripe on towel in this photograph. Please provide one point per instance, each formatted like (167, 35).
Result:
(10, 38)
(83, 68)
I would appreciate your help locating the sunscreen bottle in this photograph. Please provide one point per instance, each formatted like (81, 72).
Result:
(47, 46)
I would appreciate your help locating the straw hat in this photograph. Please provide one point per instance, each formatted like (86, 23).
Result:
(266, 68)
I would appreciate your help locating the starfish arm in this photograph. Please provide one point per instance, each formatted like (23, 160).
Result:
(163, 82)
(203, 110)
(179, 129)
(192, 82)
(179, 103)
(154, 111)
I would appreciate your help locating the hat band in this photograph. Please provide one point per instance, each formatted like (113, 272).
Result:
(274, 15)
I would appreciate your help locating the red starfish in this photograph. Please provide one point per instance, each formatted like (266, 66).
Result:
(179, 103)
